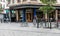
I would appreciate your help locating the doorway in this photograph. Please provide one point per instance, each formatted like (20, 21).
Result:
(29, 16)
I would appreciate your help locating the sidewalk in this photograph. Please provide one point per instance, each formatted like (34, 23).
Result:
(14, 29)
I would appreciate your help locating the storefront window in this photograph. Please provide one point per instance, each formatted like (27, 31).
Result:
(7, 13)
(13, 13)
(20, 15)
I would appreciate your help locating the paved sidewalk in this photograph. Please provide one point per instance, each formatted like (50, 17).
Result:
(14, 29)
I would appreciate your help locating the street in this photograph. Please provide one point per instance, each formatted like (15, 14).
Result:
(25, 33)
(14, 29)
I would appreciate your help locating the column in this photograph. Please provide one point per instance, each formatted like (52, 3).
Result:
(24, 19)
(56, 18)
(46, 17)
(34, 12)
(10, 14)
(17, 16)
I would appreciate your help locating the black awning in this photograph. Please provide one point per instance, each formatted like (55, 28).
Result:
(25, 6)
(29, 6)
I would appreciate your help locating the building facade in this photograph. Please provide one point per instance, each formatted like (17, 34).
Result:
(27, 10)
(4, 10)
(4, 5)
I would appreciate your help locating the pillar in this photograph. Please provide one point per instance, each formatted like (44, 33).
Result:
(34, 12)
(56, 18)
(10, 14)
(56, 12)
(23, 18)
(46, 17)
(17, 19)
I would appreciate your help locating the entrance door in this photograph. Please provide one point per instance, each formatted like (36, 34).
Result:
(29, 17)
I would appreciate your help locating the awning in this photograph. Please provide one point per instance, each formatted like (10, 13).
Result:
(30, 6)
(25, 6)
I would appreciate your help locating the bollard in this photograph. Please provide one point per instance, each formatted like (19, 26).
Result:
(57, 24)
(50, 23)
(37, 23)
(45, 23)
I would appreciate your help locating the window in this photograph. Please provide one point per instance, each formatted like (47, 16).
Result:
(4, 6)
(12, 1)
(18, 1)
(13, 13)
(0, 6)
(20, 14)
(28, 10)
(8, 1)
(3, 0)
(24, 0)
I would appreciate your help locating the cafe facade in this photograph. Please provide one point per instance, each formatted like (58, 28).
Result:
(26, 12)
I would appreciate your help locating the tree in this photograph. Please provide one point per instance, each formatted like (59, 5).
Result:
(48, 7)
